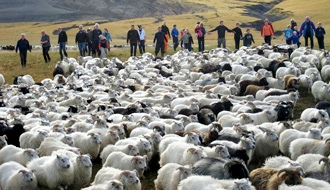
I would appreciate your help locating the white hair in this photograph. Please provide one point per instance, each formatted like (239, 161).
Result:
(22, 34)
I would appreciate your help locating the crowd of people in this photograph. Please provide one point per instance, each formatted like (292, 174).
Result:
(96, 43)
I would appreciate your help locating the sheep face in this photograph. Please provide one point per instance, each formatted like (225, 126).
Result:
(177, 127)
(222, 151)
(133, 150)
(95, 138)
(68, 140)
(248, 143)
(115, 185)
(272, 135)
(26, 176)
(3, 141)
(145, 144)
(63, 161)
(315, 133)
(185, 172)
(84, 160)
(140, 163)
(31, 154)
(290, 176)
(129, 177)
(193, 138)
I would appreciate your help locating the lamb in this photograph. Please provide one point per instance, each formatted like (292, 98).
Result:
(270, 179)
(291, 96)
(53, 171)
(170, 175)
(19, 155)
(82, 165)
(111, 185)
(128, 178)
(126, 162)
(87, 143)
(181, 153)
(261, 117)
(107, 136)
(15, 176)
(277, 83)
(129, 149)
(304, 146)
(320, 90)
(312, 113)
(313, 162)
(291, 134)
(221, 169)
(50, 144)
(304, 126)
(32, 139)
(144, 145)
(277, 162)
(228, 121)
(190, 137)
(208, 183)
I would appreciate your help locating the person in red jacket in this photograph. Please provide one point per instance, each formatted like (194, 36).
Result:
(267, 31)
(103, 45)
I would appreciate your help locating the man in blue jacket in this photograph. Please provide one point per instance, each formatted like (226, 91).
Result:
(23, 46)
(307, 30)
(175, 37)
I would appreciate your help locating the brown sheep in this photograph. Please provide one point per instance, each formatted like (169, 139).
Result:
(253, 89)
(270, 178)
(291, 81)
(244, 83)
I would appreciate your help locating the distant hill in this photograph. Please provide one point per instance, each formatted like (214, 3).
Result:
(111, 10)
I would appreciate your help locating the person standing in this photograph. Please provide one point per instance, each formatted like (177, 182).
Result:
(167, 35)
(160, 38)
(89, 41)
(107, 36)
(287, 34)
(81, 40)
(45, 42)
(319, 34)
(133, 38)
(182, 32)
(307, 30)
(95, 40)
(143, 36)
(293, 23)
(267, 31)
(62, 41)
(175, 37)
(23, 46)
(248, 38)
(103, 45)
(221, 34)
(200, 31)
(238, 35)
(187, 40)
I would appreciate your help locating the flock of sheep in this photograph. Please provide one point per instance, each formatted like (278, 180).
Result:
(204, 121)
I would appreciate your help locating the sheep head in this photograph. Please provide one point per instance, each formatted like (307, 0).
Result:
(291, 176)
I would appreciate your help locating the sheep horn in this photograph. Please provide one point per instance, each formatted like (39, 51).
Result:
(23, 171)
(191, 150)
(324, 159)
(326, 141)
(283, 170)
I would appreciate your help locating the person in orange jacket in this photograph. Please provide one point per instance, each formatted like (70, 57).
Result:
(267, 31)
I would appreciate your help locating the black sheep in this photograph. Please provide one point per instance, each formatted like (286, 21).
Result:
(12, 133)
(274, 65)
(244, 83)
(324, 105)
(58, 70)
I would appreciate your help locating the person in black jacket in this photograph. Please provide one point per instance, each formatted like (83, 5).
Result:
(95, 40)
(133, 38)
(62, 41)
(160, 38)
(319, 34)
(238, 35)
(23, 46)
(81, 40)
(222, 34)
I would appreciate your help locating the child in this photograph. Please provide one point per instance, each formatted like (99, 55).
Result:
(319, 34)
(295, 38)
(287, 34)
(247, 38)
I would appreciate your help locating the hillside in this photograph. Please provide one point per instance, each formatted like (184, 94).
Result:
(110, 10)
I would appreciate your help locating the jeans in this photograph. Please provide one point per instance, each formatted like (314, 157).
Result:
(82, 47)
(62, 48)
(142, 47)
(175, 42)
(133, 46)
(90, 47)
(22, 55)
(45, 53)
(222, 41)
(103, 52)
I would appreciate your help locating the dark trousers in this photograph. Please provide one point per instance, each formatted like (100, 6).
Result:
(289, 42)
(306, 40)
(142, 47)
(175, 42)
(187, 46)
(268, 40)
(90, 47)
(159, 46)
(133, 48)
(95, 48)
(45, 51)
(201, 42)
(22, 55)
(320, 41)
(237, 41)
(62, 48)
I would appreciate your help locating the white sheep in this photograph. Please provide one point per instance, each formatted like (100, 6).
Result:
(313, 113)
(190, 137)
(50, 144)
(128, 178)
(320, 90)
(228, 121)
(82, 165)
(304, 146)
(53, 171)
(305, 126)
(87, 143)
(311, 162)
(196, 182)
(262, 117)
(19, 155)
(181, 153)
(325, 73)
(170, 175)
(107, 136)
(2, 80)
(126, 162)
(144, 145)
(110, 185)
(32, 139)
(129, 149)
(277, 83)
(217, 151)
(305, 82)
(15, 176)
(291, 96)
(291, 134)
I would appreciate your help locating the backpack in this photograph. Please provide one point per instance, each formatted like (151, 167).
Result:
(200, 33)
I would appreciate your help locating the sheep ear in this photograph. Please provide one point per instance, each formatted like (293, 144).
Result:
(23, 171)
(124, 173)
(134, 159)
(27, 151)
(192, 150)
(130, 146)
(181, 168)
